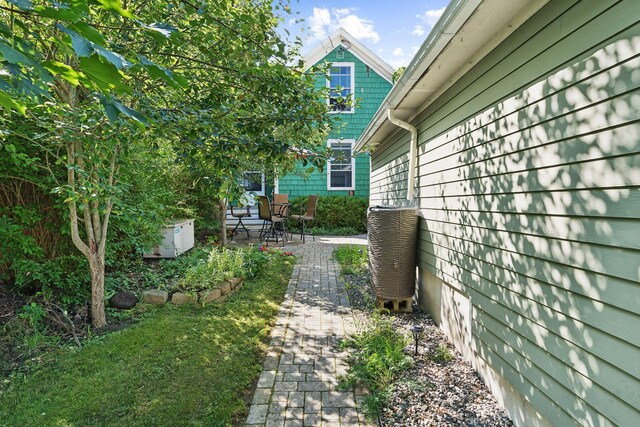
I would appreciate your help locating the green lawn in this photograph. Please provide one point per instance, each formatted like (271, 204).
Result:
(177, 366)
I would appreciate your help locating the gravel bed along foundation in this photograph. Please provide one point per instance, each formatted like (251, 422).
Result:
(441, 389)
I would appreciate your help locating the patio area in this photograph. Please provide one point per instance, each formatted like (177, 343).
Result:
(299, 382)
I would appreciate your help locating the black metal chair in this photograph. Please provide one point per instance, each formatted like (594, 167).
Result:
(273, 226)
(309, 215)
(240, 215)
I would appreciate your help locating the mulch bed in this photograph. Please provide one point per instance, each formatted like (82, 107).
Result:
(435, 391)
(10, 304)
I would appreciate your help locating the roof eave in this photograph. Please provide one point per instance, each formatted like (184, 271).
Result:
(465, 33)
(359, 50)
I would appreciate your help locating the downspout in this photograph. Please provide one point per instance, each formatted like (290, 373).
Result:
(413, 150)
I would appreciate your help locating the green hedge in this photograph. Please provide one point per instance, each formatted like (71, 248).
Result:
(334, 212)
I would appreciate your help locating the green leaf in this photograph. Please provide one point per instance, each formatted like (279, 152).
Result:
(88, 32)
(181, 81)
(22, 4)
(131, 113)
(84, 47)
(59, 14)
(105, 75)
(63, 70)
(10, 104)
(81, 46)
(14, 56)
(110, 110)
(115, 6)
(164, 29)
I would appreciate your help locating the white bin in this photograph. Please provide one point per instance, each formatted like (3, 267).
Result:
(177, 238)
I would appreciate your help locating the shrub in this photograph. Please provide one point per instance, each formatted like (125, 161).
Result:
(65, 278)
(223, 264)
(335, 212)
(376, 361)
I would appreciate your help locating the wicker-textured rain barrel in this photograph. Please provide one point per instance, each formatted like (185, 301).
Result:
(392, 235)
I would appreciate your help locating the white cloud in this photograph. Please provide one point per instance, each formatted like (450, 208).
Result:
(397, 63)
(342, 12)
(320, 19)
(398, 51)
(324, 21)
(361, 28)
(430, 17)
(418, 30)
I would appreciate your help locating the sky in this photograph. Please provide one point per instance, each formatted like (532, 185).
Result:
(393, 29)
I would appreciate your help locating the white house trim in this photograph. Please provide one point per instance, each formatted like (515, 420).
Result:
(351, 65)
(341, 37)
(353, 166)
(458, 41)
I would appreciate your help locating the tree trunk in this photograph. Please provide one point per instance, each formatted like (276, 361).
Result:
(222, 206)
(96, 266)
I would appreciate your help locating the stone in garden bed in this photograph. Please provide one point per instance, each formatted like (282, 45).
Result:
(179, 298)
(225, 287)
(236, 282)
(155, 296)
(123, 300)
(209, 295)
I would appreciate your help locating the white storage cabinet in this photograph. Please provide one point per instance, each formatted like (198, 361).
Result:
(177, 238)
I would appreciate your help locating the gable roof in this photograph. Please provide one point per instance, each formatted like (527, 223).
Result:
(467, 31)
(341, 37)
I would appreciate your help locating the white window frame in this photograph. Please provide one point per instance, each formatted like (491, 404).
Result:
(353, 166)
(263, 189)
(352, 65)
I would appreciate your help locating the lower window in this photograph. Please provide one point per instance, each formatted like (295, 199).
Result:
(341, 165)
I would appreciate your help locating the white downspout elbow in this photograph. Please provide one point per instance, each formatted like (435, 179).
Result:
(413, 150)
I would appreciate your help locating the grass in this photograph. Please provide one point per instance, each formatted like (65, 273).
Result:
(378, 350)
(176, 366)
(353, 259)
(376, 361)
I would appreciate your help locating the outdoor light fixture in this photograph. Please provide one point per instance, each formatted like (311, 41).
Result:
(416, 331)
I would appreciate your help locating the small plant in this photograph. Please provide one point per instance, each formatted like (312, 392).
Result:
(34, 315)
(353, 259)
(223, 264)
(441, 355)
(65, 277)
(377, 359)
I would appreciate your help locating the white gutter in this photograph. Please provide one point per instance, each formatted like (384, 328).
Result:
(467, 31)
(454, 16)
(413, 151)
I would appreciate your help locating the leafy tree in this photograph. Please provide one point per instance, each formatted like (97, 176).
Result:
(398, 73)
(215, 79)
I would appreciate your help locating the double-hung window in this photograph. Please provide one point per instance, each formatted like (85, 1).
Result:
(340, 83)
(341, 168)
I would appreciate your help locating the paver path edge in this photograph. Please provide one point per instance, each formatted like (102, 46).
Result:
(298, 385)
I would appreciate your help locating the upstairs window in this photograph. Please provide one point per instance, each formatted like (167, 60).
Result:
(340, 85)
(341, 165)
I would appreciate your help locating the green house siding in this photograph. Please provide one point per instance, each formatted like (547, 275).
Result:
(529, 191)
(316, 182)
(370, 90)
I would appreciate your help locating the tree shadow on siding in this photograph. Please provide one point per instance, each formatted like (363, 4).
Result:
(536, 219)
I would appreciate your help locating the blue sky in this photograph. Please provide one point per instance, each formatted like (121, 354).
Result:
(393, 29)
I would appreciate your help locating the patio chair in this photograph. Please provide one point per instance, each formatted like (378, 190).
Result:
(240, 214)
(309, 215)
(281, 205)
(273, 226)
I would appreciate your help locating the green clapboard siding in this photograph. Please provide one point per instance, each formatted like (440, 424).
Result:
(370, 90)
(529, 190)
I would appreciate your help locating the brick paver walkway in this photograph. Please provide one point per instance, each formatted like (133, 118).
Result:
(298, 384)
